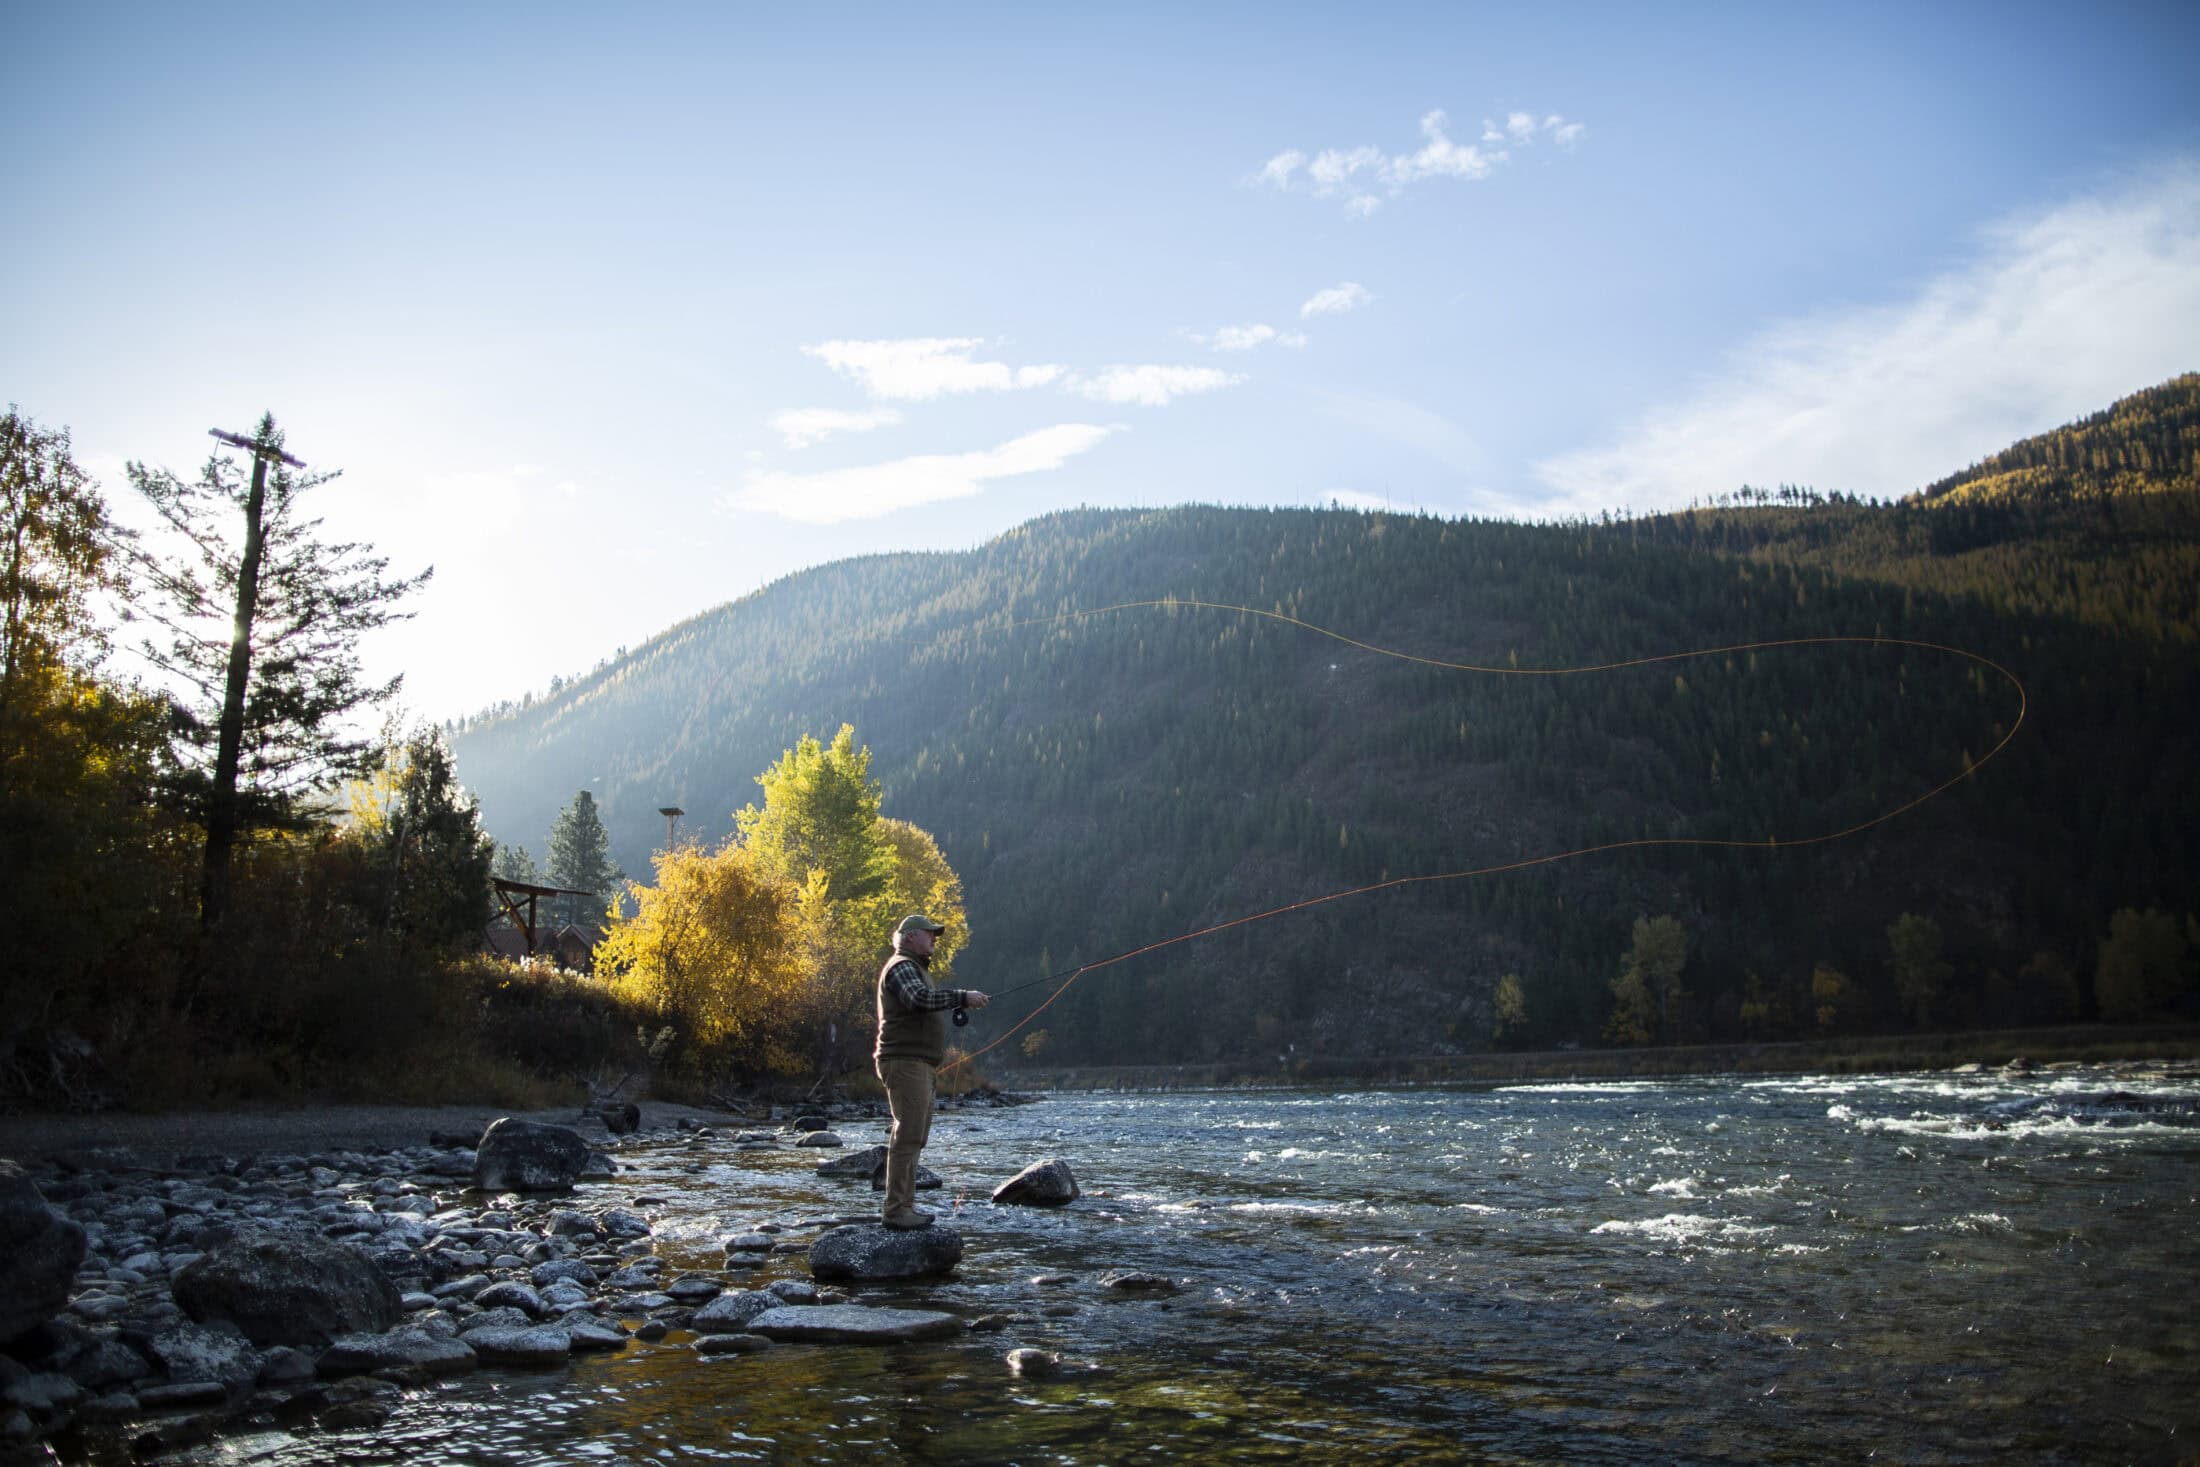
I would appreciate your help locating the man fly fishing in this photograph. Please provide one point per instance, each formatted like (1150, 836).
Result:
(912, 1041)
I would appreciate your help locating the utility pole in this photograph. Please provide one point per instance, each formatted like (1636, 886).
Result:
(672, 814)
(221, 805)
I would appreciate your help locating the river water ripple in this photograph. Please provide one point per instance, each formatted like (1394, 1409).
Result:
(1925, 1268)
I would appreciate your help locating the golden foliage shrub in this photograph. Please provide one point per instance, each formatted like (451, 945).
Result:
(715, 948)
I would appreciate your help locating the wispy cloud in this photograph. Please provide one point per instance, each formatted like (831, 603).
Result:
(1522, 127)
(1150, 386)
(917, 369)
(1337, 298)
(801, 427)
(1251, 335)
(1365, 175)
(2060, 313)
(872, 490)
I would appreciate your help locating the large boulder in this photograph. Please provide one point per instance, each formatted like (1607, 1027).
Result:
(289, 1289)
(527, 1156)
(1042, 1184)
(869, 1251)
(39, 1253)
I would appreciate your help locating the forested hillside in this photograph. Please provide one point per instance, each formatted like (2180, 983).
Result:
(1105, 781)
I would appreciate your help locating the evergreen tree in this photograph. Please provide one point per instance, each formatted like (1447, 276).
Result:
(427, 859)
(513, 862)
(263, 624)
(580, 858)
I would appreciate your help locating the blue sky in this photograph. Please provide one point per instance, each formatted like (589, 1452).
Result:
(613, 316)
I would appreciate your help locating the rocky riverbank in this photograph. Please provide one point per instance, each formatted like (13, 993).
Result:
(160, 1296)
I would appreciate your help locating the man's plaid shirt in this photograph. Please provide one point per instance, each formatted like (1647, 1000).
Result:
(907, 981)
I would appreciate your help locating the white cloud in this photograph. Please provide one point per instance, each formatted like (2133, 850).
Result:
(1364, 176)
(1337, 298)
(1150, 386)
(1278, 170)
(1249, 336)
(872, 490)
(2061, 313)
(917, 369)
(802, 427)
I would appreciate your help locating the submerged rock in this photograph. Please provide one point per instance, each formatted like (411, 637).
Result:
(871, 1251)
(1138, 1283)
(741, 1344)
(1047, 1365)
(1047, 1183)
(852, 1324)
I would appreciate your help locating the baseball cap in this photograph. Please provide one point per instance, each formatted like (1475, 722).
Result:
(917, 921)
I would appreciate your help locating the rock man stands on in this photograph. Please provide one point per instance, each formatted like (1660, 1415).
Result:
(912, 1040)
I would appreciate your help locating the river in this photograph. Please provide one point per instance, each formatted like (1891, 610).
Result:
(1919, 1268)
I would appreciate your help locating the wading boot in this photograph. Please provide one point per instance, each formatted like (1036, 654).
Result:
(909, 1219)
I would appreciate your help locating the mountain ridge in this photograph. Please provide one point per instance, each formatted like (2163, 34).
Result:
(1102, 781)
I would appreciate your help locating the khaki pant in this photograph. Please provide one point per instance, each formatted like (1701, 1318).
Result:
(909, 1097)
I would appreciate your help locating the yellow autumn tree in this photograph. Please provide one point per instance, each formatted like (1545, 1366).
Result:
(1508, 1009)
(854, 873)
(716, 947)
(922, 881)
